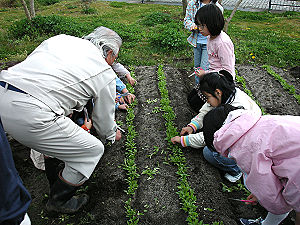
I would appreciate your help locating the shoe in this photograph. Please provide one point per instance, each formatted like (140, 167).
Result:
(233, 179)
(52, 168)
(62, 198)
(251, 222)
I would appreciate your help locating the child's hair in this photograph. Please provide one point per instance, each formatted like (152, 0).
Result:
(212, 17)
(213, 121)
(222, 80)
(211, 1)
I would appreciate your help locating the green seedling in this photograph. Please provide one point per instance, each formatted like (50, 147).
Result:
(151, 101)
(155, 151)
(209, 209)
(150, 172)
(119, 123)
(156, 110)
(290, 88)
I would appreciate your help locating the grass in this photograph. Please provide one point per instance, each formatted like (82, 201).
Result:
(259, 37)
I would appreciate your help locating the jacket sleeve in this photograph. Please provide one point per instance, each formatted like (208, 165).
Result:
(189, 15)
(193, 140)
(266, 186)
(197, 122)
(120, 69)
(104, 112)
(119, 85)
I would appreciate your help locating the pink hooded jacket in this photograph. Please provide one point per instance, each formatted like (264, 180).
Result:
(267, 149)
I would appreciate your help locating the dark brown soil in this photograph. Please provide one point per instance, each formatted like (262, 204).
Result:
(156, 199)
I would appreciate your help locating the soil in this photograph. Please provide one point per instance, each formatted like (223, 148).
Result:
(156, 199)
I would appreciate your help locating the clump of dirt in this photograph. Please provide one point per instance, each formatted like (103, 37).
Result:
(156, 199)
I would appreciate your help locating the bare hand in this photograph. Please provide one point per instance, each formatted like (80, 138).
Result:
(252, 197)
(193, 27)
(88, 124)
(199, 73)
(130, 98)
(118, 135)
(176, 139)
(119, 99)
(123, 106)
(130, 79)
(186, 130)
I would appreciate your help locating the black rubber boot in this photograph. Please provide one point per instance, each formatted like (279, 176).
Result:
(52, 168)
(62, 199)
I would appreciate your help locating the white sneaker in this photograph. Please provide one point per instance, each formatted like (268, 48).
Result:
(233, 179)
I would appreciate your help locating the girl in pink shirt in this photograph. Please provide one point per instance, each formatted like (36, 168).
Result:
(210, 22)
(267, 150)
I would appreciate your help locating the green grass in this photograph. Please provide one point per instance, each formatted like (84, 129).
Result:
(147, 31)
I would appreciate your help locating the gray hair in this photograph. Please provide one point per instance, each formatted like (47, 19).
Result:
(105, 39)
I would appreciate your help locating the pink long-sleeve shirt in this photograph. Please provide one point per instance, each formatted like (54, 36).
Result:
(221, 56)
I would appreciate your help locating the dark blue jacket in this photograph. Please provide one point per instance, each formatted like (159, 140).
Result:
(14, 198)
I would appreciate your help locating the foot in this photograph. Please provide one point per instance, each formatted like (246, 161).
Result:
(71, 206)
(251, 222)
(233, 179)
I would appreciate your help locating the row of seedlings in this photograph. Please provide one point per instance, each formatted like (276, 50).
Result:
(185, 192)
(129, 161)
(288, 87)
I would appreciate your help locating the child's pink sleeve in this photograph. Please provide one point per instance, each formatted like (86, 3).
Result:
(227, 57)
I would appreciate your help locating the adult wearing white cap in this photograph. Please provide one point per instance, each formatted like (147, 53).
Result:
(38, 94)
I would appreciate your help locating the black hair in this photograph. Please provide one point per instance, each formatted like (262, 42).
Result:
(212, 17)
(213, 121)
(222, 80)
(212, 1)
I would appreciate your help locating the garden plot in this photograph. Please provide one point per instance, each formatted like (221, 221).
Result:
(156, 198)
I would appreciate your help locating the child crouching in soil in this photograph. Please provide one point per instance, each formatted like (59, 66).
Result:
(267, 150)
(219, 89)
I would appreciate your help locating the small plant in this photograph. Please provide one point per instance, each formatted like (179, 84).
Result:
(156, 110)
(290, 88)
(156, 150)
(209, 209)
(238, 187)
(150, 172)
(150, 101)
(63, 218)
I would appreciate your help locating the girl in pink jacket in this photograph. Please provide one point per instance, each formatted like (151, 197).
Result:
(267, 150)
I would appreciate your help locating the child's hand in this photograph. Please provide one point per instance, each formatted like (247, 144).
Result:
(130, 98)
(88, 124)
(119, 99)
(186, 130)
(176, 139)
(193, 27)
(252, 197)
(118, 135)
(123, 106)
(199, 73)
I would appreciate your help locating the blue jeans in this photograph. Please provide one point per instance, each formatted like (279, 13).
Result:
(223, 163)
(200, 58)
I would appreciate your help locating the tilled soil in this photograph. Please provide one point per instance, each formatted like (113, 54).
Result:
(156, 199)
